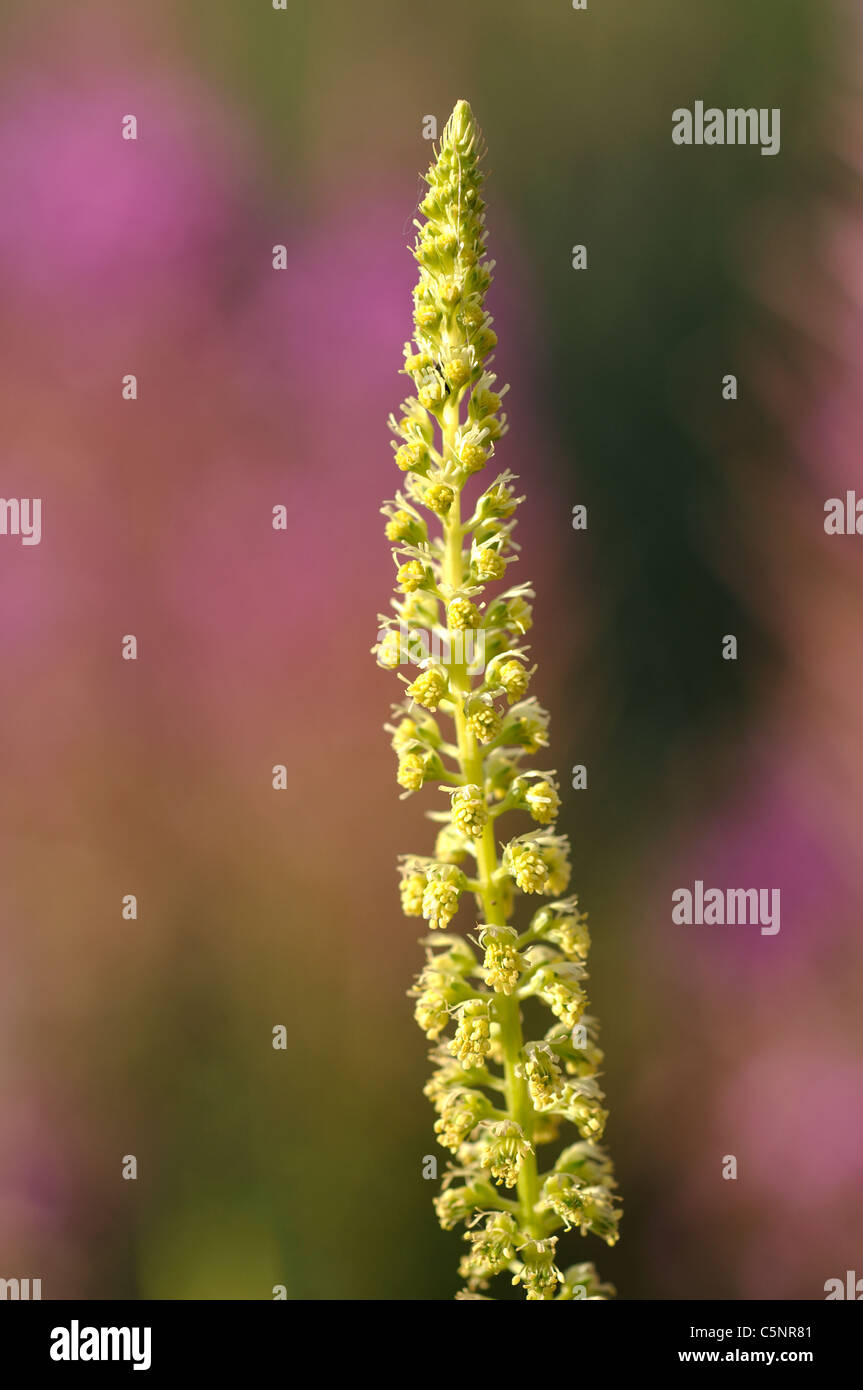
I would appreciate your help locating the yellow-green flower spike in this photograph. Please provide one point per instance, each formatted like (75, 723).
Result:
(456, 644)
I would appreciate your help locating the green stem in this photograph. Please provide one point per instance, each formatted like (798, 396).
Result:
(471, 761)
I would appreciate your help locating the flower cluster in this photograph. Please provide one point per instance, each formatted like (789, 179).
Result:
(503, 1084)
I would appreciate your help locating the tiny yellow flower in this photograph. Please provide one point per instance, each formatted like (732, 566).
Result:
(432, 393)
(559, 871)
(429, 688)
(489, 564)
(426, 316)
(472, 456)
(543, 1074)
(502, 962)
(514, 679)
(444, 885)
(543, 803)
(469, 811)
(438, 498)
(411, 457)
(462, 614)
(483, 718)
(412, 888)
(411, 771)
(390, 651)
(527, 866)
(402, 527)
(411, 576)
(431, 1012)
(504, 1152)
(472, 1041)
(457, 372)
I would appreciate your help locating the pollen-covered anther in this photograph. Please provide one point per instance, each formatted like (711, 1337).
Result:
(390, 650)
(426, 316)
(560, 988)
(489, 564)
(459, 1117)
(432, 394)
(472, 456)
(572, 935)
(431, 1012)
(472, 1041)
(543, 803)
(469, 811)
(403, 527)
(543, 1075)
(458, 372)
(524, 861)
(429, 688)
(483, 717)
(412, 457)
(504, 1151)
(412, 575)
(418, 362)
(538, 1272)
(438, 498)
(492, 1248)
(472, 317)
(560, 1194)
(444, 885)
(589, 1116)
(484, 402)
(502, 962)
(459, 1203)
(558, 869)
(404, 734)
(462, 615)
(514, 678)
(412, 888)
(413, 771)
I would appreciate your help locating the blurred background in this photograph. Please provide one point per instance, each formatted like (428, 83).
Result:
(258, 388)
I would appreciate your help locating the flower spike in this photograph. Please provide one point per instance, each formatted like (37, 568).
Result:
(466, 725)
